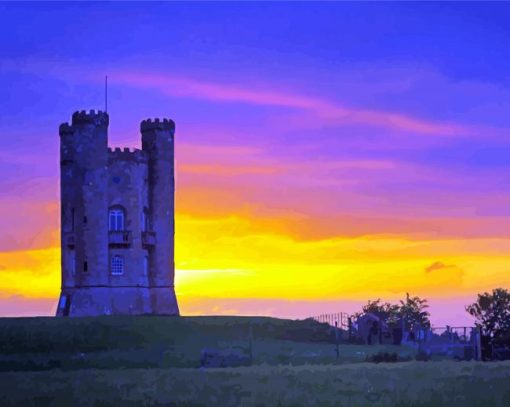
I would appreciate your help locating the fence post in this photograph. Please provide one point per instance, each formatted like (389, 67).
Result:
(478, 338)
(336, 340)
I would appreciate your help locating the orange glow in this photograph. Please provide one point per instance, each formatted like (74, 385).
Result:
(243, 245)
(238, 257)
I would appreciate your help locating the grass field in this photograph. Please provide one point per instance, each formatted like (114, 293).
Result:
(400, 384)
(154, 361)
(131, 342)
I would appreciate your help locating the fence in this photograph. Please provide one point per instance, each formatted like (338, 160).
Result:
(340, 319)
(500, 352)
(458, 342)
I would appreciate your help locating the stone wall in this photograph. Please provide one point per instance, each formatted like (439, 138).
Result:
(94, 179)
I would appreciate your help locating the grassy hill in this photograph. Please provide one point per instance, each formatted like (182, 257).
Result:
(154, 361)
(126, 332)
(156, 341)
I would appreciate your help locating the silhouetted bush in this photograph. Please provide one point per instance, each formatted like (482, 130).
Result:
(383, 357)
(422, 356)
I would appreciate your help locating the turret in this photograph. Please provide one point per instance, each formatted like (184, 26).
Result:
(158, 144)
(68, 204)
(84, 200)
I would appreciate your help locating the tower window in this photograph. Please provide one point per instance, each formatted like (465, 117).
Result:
(145, 265)
(72, 256)
(85, 266)
(117, 217)
(117, 265)
(145, 220)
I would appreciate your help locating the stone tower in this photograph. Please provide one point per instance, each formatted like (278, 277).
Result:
(117, 220)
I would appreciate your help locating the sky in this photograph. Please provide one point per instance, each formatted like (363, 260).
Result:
(326, 153)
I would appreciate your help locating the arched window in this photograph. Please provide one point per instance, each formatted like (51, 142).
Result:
(117, 264)
(117, 216)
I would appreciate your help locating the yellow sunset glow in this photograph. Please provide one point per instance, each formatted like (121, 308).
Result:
(233, 257)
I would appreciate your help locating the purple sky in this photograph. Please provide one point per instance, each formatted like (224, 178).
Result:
(377, 130)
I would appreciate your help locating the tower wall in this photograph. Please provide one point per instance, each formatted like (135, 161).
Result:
(91, 134)
(128, 189)
(84, 204)
(158, 144)
(68, 194)
(95, 179)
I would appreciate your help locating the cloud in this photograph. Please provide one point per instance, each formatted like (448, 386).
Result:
(226, 170)
(22, 306)
(30, 273)
(436, 266)
(236, 160)
(28, 223)
(443, 276)
(323, 109)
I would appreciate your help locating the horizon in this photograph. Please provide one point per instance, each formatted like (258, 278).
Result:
(344, 153)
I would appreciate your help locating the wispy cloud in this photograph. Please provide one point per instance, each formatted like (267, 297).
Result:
(323, 109)
(229, 160)
(437, 266)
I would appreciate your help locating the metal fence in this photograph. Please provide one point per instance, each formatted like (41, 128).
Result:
(457, 342)
(339, 319)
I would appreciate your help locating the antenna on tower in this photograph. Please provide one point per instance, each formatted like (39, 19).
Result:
(106, 94)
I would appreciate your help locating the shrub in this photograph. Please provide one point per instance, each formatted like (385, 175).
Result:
(422, 356)
(385, 357)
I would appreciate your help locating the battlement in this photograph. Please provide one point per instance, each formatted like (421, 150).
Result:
(126, 154)
(90, 117)
(65, 128)
(157, 124)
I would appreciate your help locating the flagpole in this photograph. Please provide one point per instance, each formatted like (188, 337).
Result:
(106, 94)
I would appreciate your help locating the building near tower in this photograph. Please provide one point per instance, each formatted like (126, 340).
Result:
(117, 220)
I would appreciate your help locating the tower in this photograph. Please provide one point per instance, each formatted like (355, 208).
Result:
(84, 203)
(117, 220)
(158, 143)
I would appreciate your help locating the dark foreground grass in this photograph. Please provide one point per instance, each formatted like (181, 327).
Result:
(402, 384)
(153, 361)
(28, 344)
(33, 335)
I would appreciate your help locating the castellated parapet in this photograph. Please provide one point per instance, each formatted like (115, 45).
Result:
(117, 220)
(157, 124)
(90, 117)
(134, 156)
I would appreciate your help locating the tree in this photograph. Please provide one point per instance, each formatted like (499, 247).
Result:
(388, 312)
(376, 306)
(414, 312)
(492, 312)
